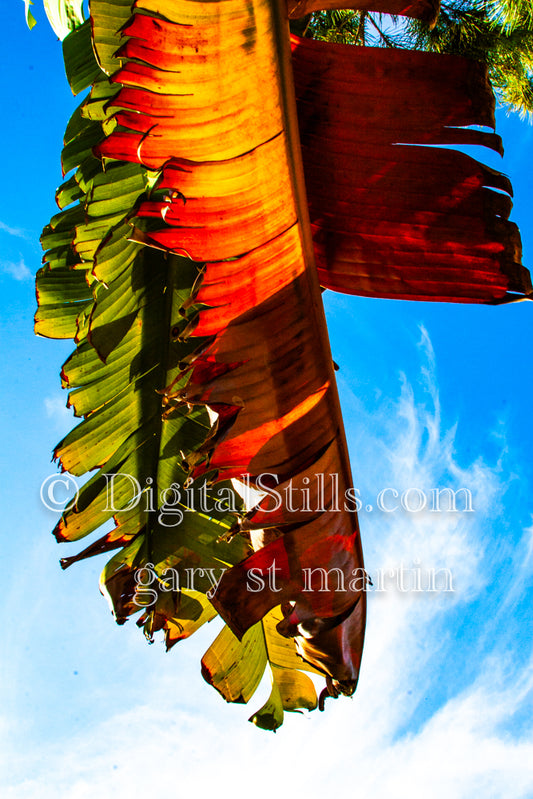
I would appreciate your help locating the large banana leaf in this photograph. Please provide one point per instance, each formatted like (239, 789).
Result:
(266, 369)
(182, 263)
(214, 365)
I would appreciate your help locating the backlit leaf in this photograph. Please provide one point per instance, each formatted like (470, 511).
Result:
(182, 263)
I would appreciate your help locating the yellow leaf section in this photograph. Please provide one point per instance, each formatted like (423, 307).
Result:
(296, 689)
(178, 613)
(281, 650)
(291, 691)
(235, 667)
(180, 626)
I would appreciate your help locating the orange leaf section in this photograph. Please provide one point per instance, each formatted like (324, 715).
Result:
(226, 208)
(428, 10)
(392, 217)
(208, 99)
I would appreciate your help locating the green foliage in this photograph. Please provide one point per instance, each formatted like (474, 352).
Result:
(499, 33)
(357, 27)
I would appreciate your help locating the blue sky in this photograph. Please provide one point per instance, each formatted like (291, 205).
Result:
(433, 396)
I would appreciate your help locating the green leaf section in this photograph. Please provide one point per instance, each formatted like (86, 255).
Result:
(30, 19)
(61, 293)
(80, 64)
(108, 17)
(64, 15)
(170, 554)
(122, 304)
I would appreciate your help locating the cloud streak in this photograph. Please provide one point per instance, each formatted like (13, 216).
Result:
(13, 231)
(19, 271)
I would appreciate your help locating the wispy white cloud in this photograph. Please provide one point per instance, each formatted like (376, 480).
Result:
(13, 231)
(465, 750)
(19, 271)
(416, 728)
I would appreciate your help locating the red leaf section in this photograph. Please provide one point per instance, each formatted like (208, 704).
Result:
(206, 97)
(392, 217)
